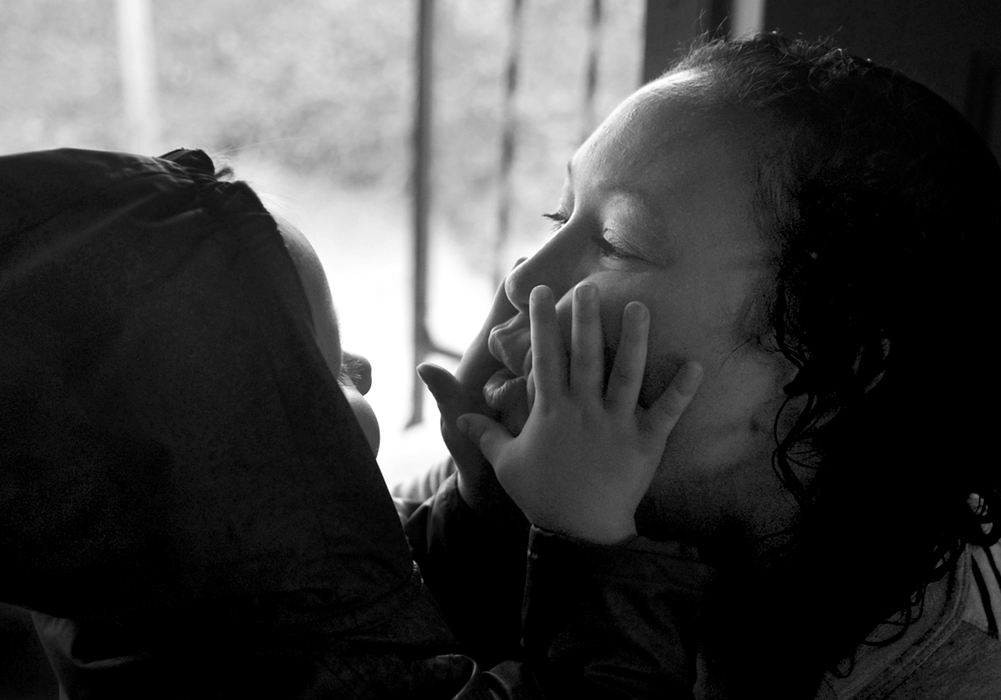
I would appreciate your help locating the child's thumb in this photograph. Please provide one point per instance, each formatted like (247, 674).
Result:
(488, 434)
(443, 387)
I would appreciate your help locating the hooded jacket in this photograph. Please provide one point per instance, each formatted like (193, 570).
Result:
(185, 492)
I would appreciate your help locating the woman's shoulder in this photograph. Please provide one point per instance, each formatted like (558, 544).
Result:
(968, 663)
(951, 649)
(983, 609)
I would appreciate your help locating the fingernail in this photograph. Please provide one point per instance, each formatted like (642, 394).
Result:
(636, 311)
(462, 423)
(540, 293)
(586, 292)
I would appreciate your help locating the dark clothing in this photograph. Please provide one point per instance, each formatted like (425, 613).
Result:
(161, 389)
(595, 621)
(476, 570)
(186, 494)
(624, 619)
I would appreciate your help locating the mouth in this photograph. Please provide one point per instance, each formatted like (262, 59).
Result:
(509, 391)
(511, 397)
(510, 342)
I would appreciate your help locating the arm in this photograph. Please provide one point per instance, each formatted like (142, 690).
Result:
(616, 621)
(470, 539)
(604, 609)
(464, 393)
(475, 570)
(587, 454)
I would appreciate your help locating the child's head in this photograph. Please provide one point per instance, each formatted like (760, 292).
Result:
(353, 372)
(173, 423)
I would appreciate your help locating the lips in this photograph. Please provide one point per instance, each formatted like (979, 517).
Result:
(509, 391)
(509, 343)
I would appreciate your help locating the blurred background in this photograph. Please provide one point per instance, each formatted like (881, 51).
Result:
(315, 104)
(415, 142)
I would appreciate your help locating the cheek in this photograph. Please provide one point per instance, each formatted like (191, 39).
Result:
(685, 325)
(729, 424)
(743, 394)
(677, 334)
(706, 327)
(613, 301)
(365, 416)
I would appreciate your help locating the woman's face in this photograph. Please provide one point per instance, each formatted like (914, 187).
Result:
(657, 207)
(353, 372)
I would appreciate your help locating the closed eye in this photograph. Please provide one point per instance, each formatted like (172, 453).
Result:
(607, 247)
(558, 218)
(610, 250)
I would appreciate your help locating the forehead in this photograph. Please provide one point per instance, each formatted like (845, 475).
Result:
(672, 128)
(317, 293)
(673, 157)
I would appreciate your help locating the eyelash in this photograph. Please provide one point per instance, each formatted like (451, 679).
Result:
(608, 249)
(611, 251)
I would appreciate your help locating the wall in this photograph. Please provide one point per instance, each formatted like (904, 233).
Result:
(953, 47)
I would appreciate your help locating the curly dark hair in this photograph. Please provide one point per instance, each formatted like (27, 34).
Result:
(885, 206)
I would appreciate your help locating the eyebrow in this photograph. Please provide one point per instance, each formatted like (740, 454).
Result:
(640, 199)
(637, 196)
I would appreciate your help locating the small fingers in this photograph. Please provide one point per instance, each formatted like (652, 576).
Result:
(663, 415)
(626, 378)
(445, 389)
(587, 363)
(548, 354)
(489, 435)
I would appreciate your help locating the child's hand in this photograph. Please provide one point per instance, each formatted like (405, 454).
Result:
(587, 454)
(463, 393)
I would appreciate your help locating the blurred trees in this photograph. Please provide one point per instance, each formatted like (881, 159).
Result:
(325, 88)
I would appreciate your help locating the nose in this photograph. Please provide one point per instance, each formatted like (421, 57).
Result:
(358, 370)
(556, 265)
